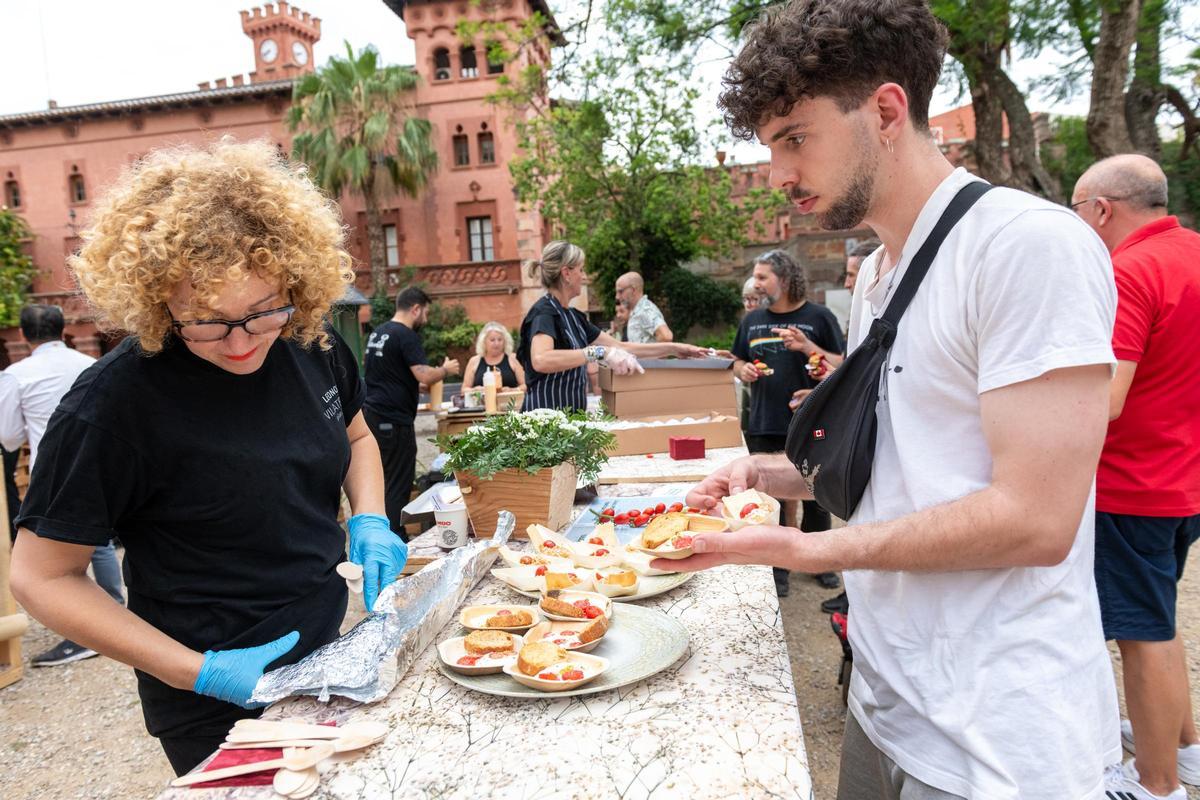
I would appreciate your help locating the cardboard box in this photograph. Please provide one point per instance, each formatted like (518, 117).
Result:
(670, 374)
(719, 431)
(683, 401)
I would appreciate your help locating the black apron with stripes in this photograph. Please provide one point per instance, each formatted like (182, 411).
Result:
(560, 390)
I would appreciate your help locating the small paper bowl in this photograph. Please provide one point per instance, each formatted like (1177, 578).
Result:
(639, 562)
(523, 579)
(592, 666)
(612, 589)
(512, 558)
(452, 650)
(475, 617)
(696, 523)
(606, 532)
(538, 634)
(570, 596)
(771, 518)
(584, 584)
(585, 556)
(539, 536)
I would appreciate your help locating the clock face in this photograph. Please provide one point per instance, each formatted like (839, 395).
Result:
(300, 53)
(268, 50)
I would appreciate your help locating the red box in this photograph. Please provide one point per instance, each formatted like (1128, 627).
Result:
(683, 447)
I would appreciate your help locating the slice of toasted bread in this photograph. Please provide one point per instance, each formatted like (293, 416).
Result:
(625, 577)
(513, 619)
(594, 631)
(536, 656)
(480, 642)
(554, 605)
(661, 529)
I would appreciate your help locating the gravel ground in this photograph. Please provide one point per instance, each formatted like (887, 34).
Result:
(76, 731)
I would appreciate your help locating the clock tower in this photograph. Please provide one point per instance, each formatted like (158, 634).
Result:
(283, 39)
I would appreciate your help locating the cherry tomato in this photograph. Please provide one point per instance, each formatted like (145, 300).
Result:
(591, 612)
(747, 509)
(642, 520)
(600, 552)
(660, 508)
(691, 510)
(676, 507)
(548, 546)
(502, 612)
(681, 542)
(468, 661)
(527, 560)
(648, 511)
(595, 540)
(649, 455)
(621, 519)
(540, 571)
(608, 512)
(548, 676)
(573, 577)
(572, 675)
(560, 641)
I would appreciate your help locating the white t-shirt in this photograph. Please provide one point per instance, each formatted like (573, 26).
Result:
(983, 683)
(44, 376)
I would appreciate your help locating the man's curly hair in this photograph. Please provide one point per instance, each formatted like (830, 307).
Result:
(208, 216)
(841, 49)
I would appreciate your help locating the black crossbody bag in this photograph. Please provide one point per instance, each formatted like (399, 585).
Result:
(831, 439)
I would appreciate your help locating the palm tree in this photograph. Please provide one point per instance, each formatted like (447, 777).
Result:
(359, 133)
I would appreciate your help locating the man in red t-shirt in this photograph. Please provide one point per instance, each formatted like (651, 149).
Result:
(1148, 481)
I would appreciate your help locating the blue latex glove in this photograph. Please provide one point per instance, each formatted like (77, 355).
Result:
(231, 675)
(381, 553)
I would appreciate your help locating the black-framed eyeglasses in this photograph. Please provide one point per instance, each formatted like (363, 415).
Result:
(1093, 199)
(214, 330)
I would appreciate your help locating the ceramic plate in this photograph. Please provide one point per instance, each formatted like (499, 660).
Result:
(643, 643)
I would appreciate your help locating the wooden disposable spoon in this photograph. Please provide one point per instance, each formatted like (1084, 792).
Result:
(297, 761)
(259, 731)
(342, 744)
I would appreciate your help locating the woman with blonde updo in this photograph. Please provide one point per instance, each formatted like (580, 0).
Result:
(214, 441)
(558, 342)
(494, 350)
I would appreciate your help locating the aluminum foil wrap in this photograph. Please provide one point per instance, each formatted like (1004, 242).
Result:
(367, 661)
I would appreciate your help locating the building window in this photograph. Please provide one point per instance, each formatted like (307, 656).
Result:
(441, 64)
(468, 66)
(462, 150)
(487, 148)
(494, 67)
(77, 189)
(391, 246)
(479, 234)
(12, 194)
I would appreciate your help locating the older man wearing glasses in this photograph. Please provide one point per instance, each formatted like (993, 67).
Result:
(1148, 481)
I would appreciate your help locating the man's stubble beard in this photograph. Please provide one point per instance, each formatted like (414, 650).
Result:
(849, 210)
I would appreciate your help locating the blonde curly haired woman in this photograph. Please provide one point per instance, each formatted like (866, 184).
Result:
(214, 441)
(494, 350)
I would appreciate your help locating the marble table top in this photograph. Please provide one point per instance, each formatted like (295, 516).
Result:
(722, 722)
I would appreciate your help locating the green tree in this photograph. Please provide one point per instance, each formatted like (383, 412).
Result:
(358, 133)
(16, 268)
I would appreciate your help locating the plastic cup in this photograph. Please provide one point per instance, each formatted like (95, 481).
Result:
(452, 526)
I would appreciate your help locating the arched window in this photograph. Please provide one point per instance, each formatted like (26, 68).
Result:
(441, 64)
(77, 188)
(469, 66)
(462, 147)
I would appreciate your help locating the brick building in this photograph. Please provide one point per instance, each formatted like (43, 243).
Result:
(464, 233)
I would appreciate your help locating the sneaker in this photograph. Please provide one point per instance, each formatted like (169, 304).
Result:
(836, 605)
(1188, 759)
(828, 580)
(64, 652)
(1122, 783)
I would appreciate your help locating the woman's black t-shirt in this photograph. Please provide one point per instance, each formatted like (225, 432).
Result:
(508, 376)
(570, 330)
(224, 490)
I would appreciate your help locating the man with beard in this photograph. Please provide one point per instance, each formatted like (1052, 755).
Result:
(774, 373)
(394, 366)
(980, 669)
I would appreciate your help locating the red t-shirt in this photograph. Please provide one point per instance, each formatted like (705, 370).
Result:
(1151, 460)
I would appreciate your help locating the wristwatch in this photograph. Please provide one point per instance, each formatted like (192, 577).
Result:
(595, 352)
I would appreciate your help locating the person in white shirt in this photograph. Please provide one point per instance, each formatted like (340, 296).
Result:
(646, 324)
(980, 669)
(42, 378)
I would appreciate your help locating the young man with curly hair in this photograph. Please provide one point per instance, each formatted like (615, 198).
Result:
(215, 441)
(980, 669)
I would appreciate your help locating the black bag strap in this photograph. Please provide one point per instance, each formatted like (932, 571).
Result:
(921, 262)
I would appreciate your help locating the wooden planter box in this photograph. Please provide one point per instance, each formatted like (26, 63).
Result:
(545, 497)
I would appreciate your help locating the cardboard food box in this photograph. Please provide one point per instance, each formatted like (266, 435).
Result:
(664, 373)
(682, 401)
(718, 431)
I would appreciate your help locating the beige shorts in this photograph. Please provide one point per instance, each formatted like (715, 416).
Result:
(867, 774)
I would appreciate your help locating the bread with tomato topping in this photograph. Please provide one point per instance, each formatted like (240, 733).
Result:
(594, 631)
(513, 619)
(480, 643)
(536, 656)
(553, 605)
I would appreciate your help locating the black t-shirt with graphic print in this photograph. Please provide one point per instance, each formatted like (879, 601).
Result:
(224, 490)
(770, 394)
(393, 349)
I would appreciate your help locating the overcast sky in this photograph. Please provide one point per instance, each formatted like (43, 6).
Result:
(83, 51)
